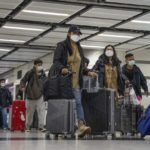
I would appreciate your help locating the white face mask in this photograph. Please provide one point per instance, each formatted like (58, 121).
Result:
(109, 53)
(75, 38)
(131, 62)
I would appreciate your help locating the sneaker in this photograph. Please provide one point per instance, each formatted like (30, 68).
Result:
(4, 128)
(83, 130)
(27, 130)
(42, 129)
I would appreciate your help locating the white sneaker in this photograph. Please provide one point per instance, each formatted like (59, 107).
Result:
(27, 130)
(83, 130)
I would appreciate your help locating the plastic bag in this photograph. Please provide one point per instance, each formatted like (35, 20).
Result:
(134, 99)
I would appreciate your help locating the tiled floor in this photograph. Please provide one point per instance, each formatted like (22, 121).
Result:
(36, 141)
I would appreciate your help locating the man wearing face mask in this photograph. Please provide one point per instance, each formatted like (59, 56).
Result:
(33, 86)
(5, 101)
(134, 75)
(69, 54)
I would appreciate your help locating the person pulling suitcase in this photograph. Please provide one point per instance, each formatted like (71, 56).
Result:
(69, 53)
(32, 83)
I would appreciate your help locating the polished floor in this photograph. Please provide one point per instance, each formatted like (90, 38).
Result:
(36, 141)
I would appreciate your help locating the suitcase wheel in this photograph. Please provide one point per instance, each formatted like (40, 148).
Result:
(113, 136)
(47, 135)
(73, 136)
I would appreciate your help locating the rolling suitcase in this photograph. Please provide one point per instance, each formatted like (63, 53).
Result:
(17, 115)
(61, 117)
(99, 111)
(99, 107)
(129, 115)
(144, 123)
(128, 119)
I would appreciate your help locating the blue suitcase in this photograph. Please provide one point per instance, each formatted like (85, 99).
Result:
(144, 123)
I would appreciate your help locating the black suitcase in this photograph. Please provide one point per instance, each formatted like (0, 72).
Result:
(61, 117)
(99, 110)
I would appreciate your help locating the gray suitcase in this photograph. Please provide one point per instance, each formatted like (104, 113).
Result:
(128, 119)
(61, 117)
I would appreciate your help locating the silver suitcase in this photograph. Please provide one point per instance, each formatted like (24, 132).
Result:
(61, 117)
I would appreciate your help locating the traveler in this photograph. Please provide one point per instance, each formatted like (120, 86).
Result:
(109, 71)
(69, 54)
(134, 75)
(32, 84)
(5, 101)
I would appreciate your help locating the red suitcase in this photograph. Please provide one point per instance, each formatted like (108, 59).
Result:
(18, 115)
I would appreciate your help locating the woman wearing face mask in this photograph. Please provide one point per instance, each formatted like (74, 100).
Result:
(108, 66)
(69, 54)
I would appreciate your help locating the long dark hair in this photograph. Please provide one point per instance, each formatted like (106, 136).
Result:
(115, 59)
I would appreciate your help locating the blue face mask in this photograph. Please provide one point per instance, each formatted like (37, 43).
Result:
(40, 68)
(131, 62)
(2, 84)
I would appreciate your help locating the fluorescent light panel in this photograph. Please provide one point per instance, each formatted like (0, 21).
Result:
(23, 28)
(91, 46)
(116, 36)
(140, 21)
(45, 13)
(4, 50)
(8, 40)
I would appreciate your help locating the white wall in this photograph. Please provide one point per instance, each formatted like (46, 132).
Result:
(145, 68)
(12, 75)
(93, 55)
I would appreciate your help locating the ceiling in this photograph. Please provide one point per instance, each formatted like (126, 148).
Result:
(31, 28)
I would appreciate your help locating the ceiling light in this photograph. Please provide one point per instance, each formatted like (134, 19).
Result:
(7, 40)
(117, 36)
(92, 46)
(5, 50)
(22, 28)
(140, 21)
(45, 13)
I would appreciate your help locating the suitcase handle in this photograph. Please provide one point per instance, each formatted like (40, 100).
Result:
(23, 96)
(97, 82)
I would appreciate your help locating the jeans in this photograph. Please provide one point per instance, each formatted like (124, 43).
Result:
(4, 116)
(79, 108)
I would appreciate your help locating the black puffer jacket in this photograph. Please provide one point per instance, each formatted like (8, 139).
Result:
(138, 79)
(100, 67)
(5, 97)
(61, 57)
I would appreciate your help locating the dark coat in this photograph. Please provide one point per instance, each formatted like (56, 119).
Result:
(29, 79)
(100, 68)
(5, 97)
(61, 57)
(138, 79)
